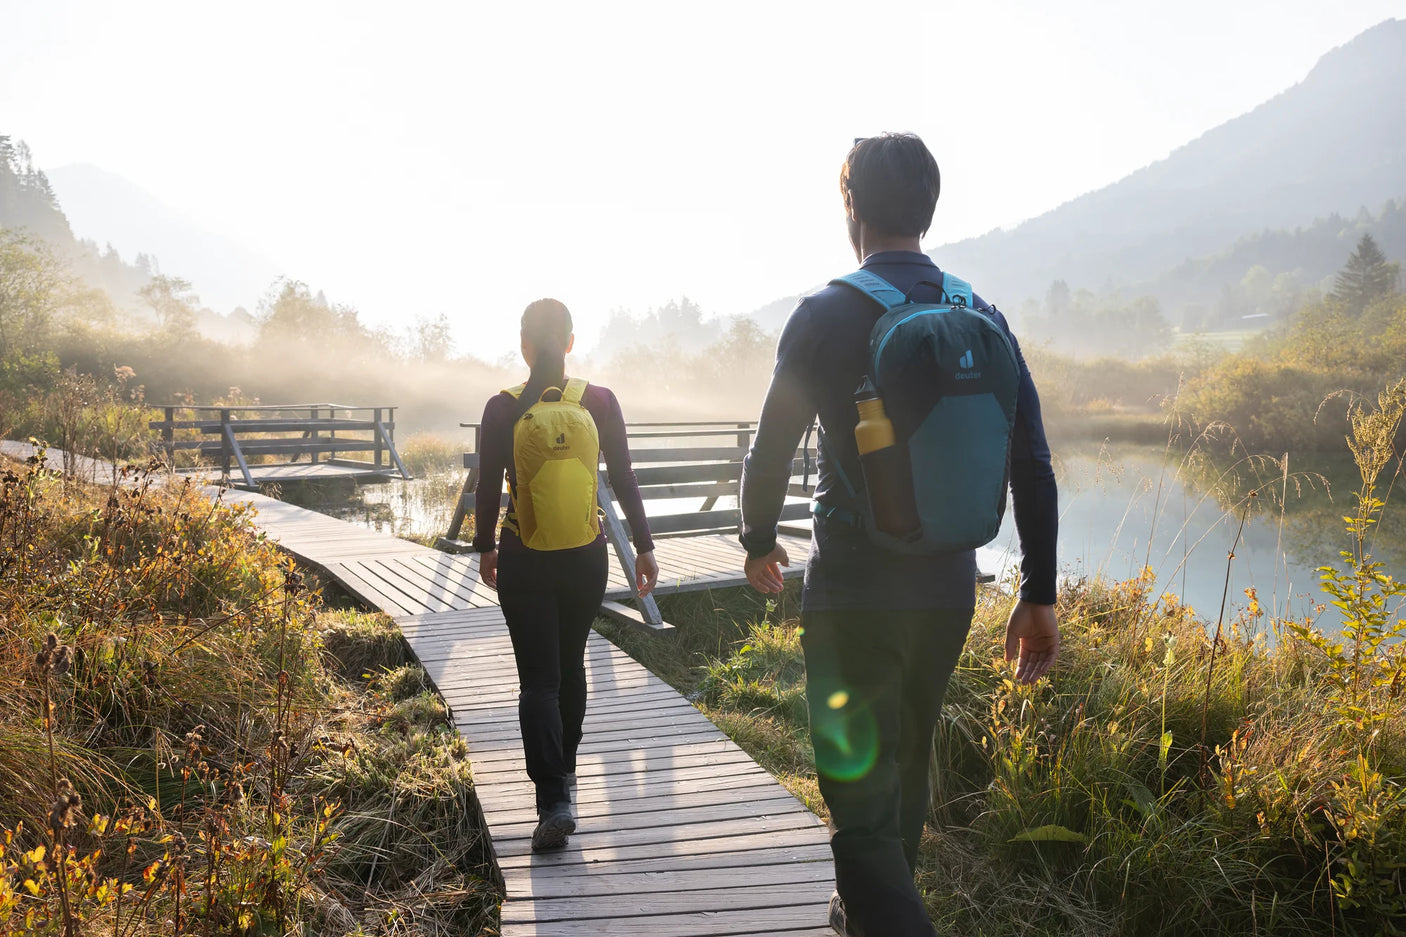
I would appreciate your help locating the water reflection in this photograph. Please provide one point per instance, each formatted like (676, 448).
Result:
(1125, 508)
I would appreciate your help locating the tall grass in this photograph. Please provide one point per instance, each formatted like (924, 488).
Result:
(180, 753)
(1174, 776)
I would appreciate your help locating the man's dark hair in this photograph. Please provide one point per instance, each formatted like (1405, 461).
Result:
(892, 183)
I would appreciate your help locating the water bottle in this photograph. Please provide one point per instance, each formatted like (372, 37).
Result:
(888, 477)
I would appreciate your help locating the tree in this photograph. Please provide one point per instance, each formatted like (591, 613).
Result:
(33, 287)
(431, 339)
(174, 303)
(1366, 278)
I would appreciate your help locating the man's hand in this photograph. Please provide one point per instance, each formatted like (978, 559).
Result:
(764, 572)
(488, 569)
(646, 573)
(1032, 639)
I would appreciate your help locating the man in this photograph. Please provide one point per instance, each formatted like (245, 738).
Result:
(882, 631)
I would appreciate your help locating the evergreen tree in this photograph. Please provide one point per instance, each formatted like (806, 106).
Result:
(1366, 278)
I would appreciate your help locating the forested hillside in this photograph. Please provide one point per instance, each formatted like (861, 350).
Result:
(1265, 198)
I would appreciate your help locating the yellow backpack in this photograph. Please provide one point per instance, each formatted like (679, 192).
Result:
(556, 450)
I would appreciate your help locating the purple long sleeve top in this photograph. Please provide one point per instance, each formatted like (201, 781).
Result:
(495, 460)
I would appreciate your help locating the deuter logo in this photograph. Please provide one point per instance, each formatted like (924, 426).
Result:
(561, 438)
(561, 445)
(966, 362)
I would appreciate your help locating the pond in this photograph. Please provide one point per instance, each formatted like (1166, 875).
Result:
(1201, 533)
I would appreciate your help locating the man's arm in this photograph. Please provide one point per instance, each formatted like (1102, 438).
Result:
(1032, 632)
(766, 472)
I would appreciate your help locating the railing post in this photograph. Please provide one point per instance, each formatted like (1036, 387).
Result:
(744, 438)
(466, 497)
(168, 437)
(313, 428)
(377, 437)
(225, 434)
(332, 434)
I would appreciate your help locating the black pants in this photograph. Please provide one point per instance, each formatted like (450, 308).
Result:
(874, 685)
(549, 600)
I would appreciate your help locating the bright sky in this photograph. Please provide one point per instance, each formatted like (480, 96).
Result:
(465, 158)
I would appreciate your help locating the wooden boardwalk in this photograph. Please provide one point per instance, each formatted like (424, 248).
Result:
(679, 832)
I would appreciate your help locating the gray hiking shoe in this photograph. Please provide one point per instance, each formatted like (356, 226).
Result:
(554, 824)
(839, 923)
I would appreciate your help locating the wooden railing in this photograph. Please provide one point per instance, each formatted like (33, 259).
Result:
(230, 436)
(698, 461)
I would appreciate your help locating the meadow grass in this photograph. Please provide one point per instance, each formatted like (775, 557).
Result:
(192, 743)
(1176, 774)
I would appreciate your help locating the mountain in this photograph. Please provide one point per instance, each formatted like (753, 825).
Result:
(1332, 144)
(107, 208)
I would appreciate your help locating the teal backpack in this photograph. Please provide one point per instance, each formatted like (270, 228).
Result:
(949, 381)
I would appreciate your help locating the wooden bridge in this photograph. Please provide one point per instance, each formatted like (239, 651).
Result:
(242, 438)
(679, 831)
(688, 475)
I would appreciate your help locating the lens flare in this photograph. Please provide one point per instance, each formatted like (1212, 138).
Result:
(846, 738)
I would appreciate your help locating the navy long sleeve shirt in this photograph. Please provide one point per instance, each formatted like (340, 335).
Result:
(820, 361)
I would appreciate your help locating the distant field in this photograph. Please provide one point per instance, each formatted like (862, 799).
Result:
(1232, 341)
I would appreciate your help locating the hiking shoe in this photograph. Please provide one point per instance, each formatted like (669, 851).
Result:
(839, 923)
(554, 824)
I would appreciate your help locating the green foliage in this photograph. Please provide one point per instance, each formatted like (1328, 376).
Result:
(1366, 278)
(31, 295)
(177, 758)
(1365, 669)
(1089, 804)
(1287, 396)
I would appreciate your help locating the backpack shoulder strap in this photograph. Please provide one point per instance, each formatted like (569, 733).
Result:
(515, 391)
(575, 388)
(875, 287)
(957, 291)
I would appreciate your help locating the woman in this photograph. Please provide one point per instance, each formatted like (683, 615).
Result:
(551, 596)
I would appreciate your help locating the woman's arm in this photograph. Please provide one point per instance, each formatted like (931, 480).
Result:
(493, 459)
(614, 446)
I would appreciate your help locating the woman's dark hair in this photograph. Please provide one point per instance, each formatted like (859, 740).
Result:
(546, 324)
(892, 183)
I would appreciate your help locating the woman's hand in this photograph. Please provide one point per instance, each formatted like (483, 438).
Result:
(488, 569)
(646, 573)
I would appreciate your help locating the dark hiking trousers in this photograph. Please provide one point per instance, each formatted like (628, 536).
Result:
(874, 686)
(549, 599)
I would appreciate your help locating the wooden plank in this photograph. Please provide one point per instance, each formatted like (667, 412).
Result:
(671, 880)
(621, 907)
(776, 805)
(670, 454)
(624, 614)
(405, 592)
(370, 593)
(678, 740)
(454, 591)
(639, 698)
(597, 849)
(736, 792)
(754, 857)
(624, 553)
(632, 762)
